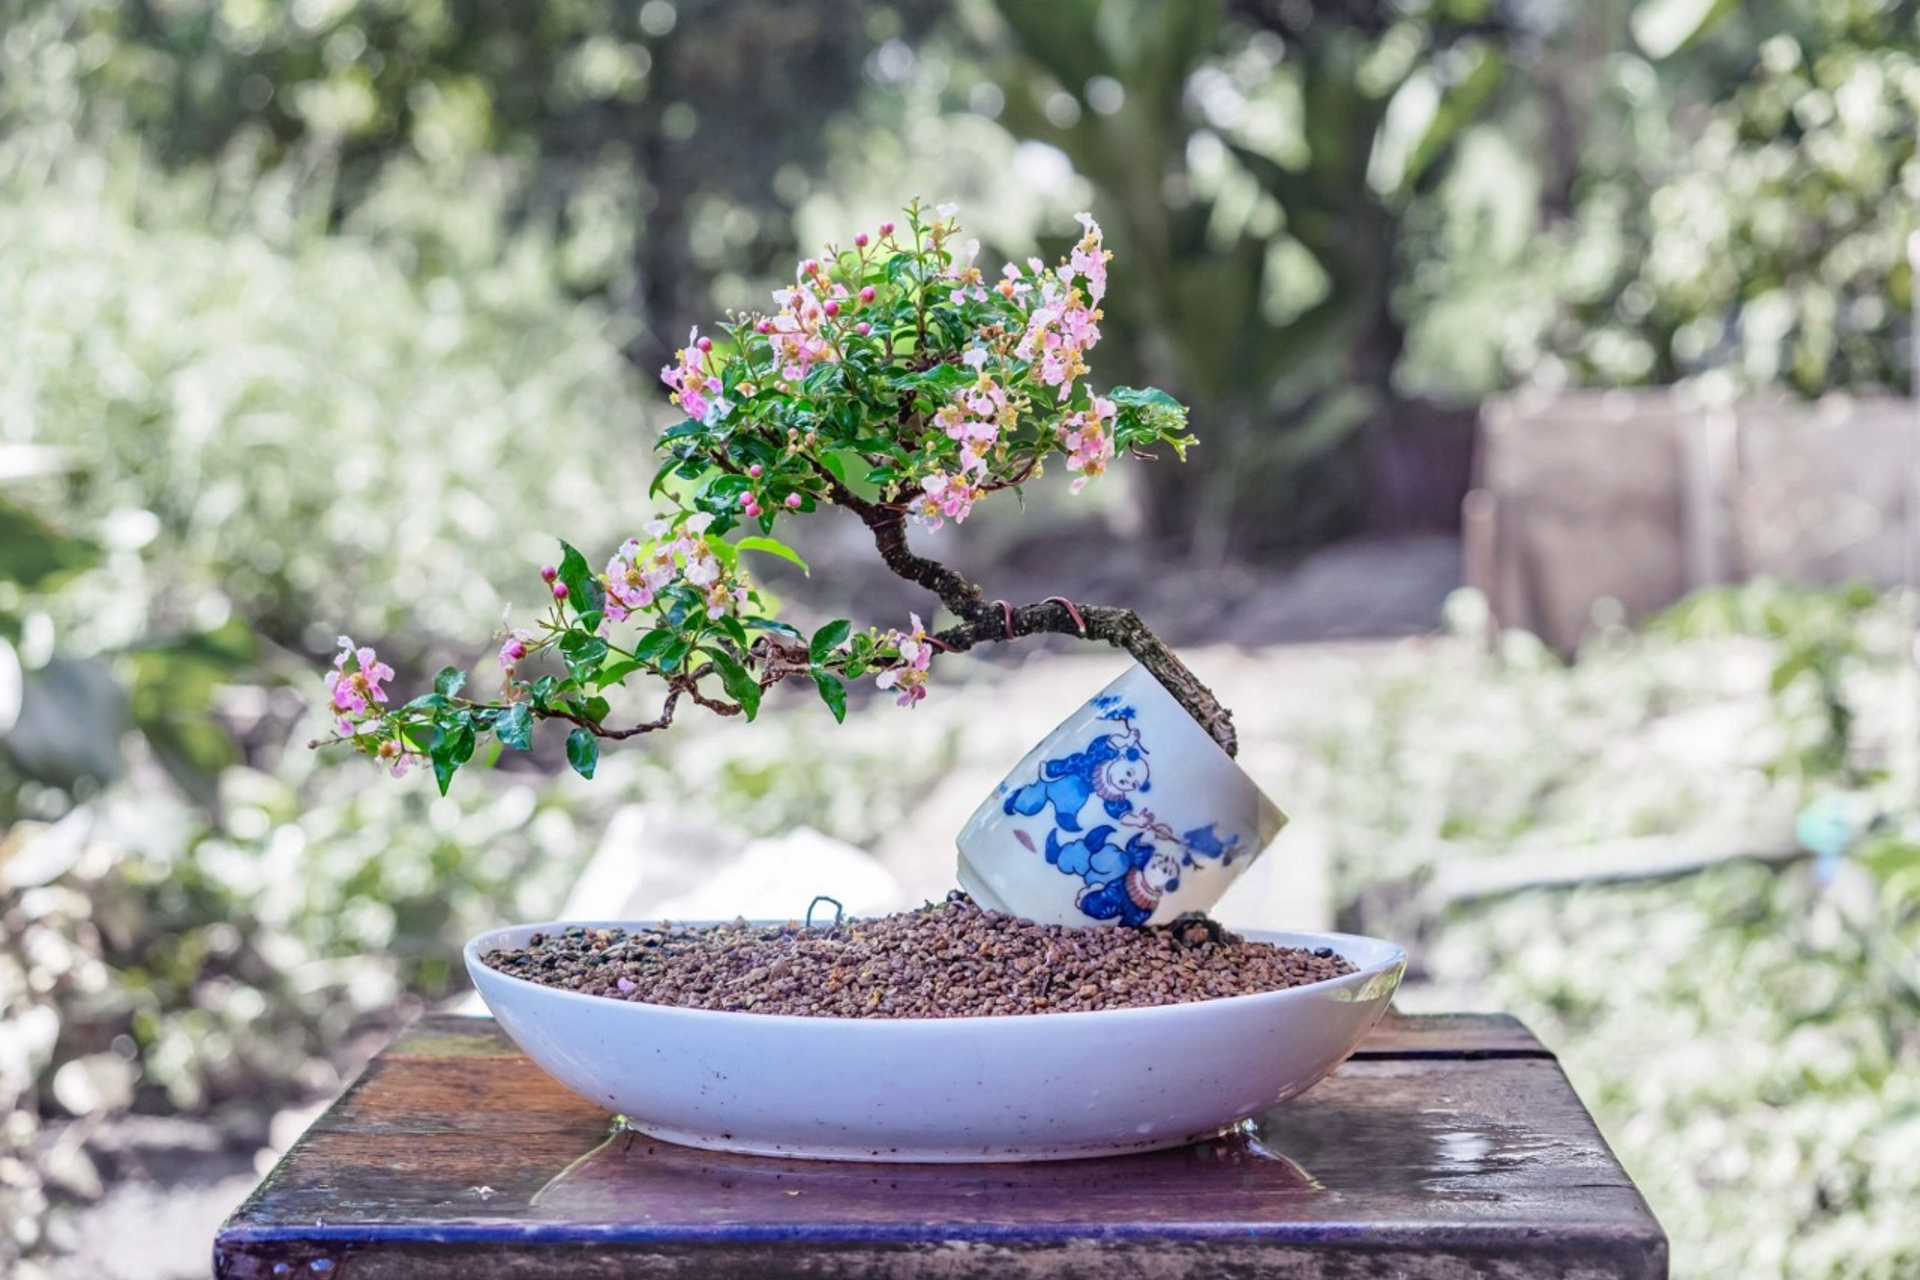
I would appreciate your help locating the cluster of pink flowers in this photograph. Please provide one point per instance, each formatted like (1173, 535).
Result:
(797, 331)
(1088, 439)
(909, 678)
(694, 386)
(1066, 324)
(944, 497)
(359, 702)
(1089, 258)
(639, 571)
(355, 684)
(966, 277)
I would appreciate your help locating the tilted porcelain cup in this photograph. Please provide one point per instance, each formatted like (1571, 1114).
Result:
(1127, 813)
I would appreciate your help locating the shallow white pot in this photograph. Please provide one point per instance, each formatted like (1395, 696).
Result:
(1030, 1087)
(1128, 813)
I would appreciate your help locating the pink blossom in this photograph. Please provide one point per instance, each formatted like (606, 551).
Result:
(944, 497)
(1089, 259)
(692, 382)
(909, 676)
(1088, 439)
(514, 649)
(723, 599)
(355, 682)
(630, 587)
(396, 757)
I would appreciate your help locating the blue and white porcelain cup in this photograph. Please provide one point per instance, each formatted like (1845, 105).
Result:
(1127, 813)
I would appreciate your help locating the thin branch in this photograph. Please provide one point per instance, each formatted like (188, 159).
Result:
(984, 622)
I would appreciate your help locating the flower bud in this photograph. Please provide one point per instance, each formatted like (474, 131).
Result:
(548, 573)
(763, 325)
(753, 511)
(754, 471)
(886, 228)
(863, 328)
(515, 650)
(860, 241)
(559, 591)
(832, 308)
(867, 294)
(705, 344)
(810, 267)
(746, 499)
(793, 500)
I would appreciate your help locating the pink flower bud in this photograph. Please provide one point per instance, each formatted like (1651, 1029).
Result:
(860, 241)
(548, 573)
(886, 228)
(763, 325)
(793, 500)
(753, 511)
(863, 328)
(515, 650)
(559, 591)
(746, 499)
(754, 471)
(810, 267)
(832, 308)
(705, 344)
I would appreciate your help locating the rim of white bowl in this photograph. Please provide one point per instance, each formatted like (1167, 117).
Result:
(1396, 957)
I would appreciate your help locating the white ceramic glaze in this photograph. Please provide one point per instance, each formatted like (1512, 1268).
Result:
(1035, 1087)
(1127, 813)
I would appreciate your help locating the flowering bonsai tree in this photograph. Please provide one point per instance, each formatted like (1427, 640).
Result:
(897, 381)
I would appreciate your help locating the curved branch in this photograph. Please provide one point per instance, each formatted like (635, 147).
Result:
(982, 621)
(1121, 628)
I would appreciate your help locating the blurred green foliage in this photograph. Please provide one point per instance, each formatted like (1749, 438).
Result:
(1719, 191)
(307, 306)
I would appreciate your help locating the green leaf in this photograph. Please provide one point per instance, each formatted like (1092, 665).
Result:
(654, 644)
(583, 652)
(614, 674)
(827, 639)
(584, 591)
(595, 708)
(740, 686)
(774, 547)
(450, 681)
(451, 748)
(583, 752)
(735, 631)
(516, 727)
(774, 625)
(833, 693)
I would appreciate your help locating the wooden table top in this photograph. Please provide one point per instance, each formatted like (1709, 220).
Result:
(1446, 1146)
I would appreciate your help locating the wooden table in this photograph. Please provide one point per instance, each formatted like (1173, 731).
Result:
(1447, 1146)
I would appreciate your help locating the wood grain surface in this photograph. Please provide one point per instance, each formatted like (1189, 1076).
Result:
(1448, 1146)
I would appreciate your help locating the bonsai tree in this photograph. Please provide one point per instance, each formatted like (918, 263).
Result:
(897, 381)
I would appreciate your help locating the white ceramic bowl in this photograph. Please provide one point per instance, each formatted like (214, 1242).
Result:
(1128, 812)
(1032, 1087)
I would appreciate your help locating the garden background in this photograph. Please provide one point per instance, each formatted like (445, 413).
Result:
(331, 316)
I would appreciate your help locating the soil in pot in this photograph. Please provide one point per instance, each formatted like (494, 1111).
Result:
(946, 960)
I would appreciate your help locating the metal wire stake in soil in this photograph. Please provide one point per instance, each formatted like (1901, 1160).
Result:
(839, 911)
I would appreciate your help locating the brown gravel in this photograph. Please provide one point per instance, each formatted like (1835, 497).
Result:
(945, 960)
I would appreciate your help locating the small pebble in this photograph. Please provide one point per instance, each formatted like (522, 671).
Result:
(946, 960)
